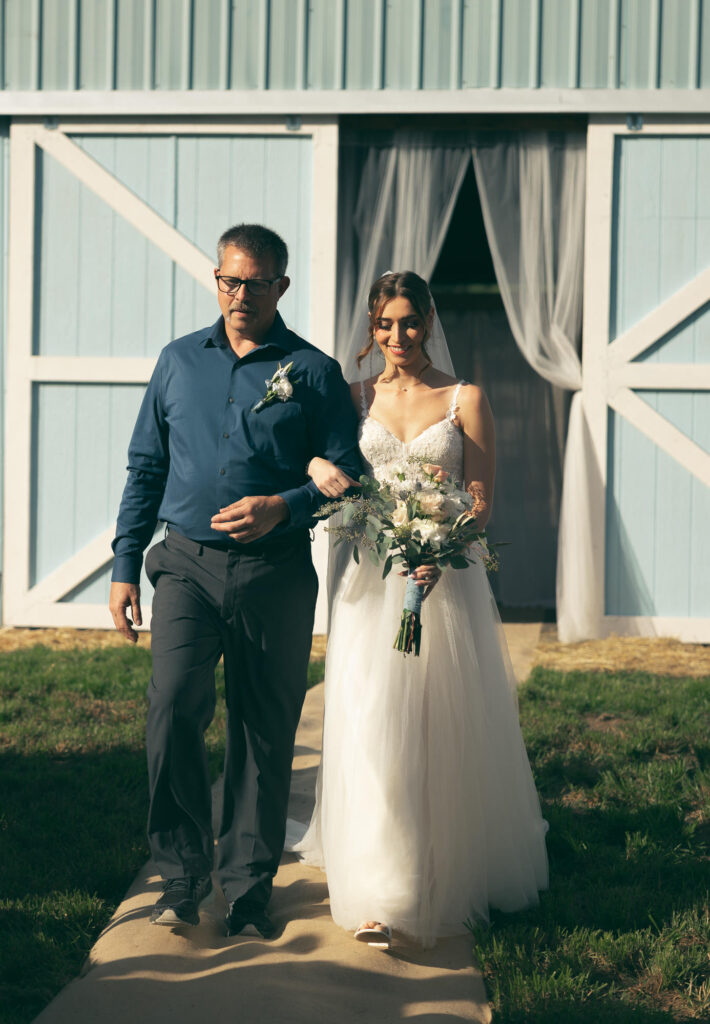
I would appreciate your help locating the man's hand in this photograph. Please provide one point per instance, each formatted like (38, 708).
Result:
(122, 595)
(250, 518)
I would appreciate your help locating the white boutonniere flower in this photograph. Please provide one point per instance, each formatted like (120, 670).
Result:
(279, 387)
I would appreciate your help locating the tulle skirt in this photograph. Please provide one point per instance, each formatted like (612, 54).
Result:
(426, 811)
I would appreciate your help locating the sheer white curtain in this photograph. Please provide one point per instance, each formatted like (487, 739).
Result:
(532, 189)
(397, 199)
(405, 196)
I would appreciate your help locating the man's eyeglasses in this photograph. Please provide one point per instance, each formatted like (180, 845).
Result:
(254, 285)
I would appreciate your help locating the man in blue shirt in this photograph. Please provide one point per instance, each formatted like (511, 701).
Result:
(219, 453)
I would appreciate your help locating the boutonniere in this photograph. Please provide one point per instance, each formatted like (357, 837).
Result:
(280, 386)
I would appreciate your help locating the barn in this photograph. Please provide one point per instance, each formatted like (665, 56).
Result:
(545, 164)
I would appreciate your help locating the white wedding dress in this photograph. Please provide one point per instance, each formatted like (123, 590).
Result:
(426, 812)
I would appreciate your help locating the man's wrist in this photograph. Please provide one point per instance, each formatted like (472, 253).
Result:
(278, 504)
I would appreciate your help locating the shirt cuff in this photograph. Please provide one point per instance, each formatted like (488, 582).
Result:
(302, 504)
(127, 569)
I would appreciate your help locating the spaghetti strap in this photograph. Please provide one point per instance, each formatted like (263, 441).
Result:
(451, 414)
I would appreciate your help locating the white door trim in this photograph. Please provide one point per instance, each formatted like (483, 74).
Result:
(39, 605)
(608, 368)
(663, 433)
(661, 320)
(125, 202)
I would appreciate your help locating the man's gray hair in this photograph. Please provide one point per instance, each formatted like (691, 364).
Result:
(257, 241)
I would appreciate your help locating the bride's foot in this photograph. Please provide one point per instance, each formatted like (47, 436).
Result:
(375, 934)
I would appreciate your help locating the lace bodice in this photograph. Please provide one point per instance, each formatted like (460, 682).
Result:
(441, 443)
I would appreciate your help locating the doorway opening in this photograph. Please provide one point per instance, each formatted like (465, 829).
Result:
(530, 414)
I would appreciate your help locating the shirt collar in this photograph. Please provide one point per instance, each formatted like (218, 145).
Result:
(278, 336)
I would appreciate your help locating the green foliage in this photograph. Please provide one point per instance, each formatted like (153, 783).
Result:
(622, 763)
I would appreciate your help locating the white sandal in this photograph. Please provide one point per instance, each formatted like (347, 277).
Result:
(376, 935)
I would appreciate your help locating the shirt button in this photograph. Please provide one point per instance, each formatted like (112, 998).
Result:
(222, 472)
(230, 399)
(225, 435)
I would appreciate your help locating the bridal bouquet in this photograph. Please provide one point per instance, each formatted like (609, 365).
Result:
(414, 515)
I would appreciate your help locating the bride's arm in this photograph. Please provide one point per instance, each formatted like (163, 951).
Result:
(479, 449)
(330, 480)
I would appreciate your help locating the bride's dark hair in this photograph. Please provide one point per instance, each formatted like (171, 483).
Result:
(390, 286)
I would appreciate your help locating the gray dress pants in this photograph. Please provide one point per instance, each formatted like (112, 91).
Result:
(257, 610)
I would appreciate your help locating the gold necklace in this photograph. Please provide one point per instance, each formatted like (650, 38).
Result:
(417, 381)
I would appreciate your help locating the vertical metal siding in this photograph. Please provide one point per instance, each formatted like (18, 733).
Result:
(403, 44)
(59, 47)
(520, 37)
(250, 28)
(559, 33)
(354, 44)
(97, 42)
(364, 38)
(173, 44)
(439, 52)
(678, 46)
(134, 52)
(287, 44)
(481, 44)
(638, 65)
(326, 26)
(598, 32)
(22, 44)
(211, 37)
(703, 59)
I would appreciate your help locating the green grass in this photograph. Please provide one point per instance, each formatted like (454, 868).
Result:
(622, 763)
(623, 767)
(73, 800)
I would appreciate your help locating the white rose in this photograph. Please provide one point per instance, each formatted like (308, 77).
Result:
(283, 388)
(430, 532)
(400, 516)
(423, 528)
(432, 504)
(438, 536)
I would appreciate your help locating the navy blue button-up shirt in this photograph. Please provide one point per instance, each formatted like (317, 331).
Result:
(197, 445)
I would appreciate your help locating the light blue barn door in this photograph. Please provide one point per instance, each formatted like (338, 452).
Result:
(655, 369)
(108, 292)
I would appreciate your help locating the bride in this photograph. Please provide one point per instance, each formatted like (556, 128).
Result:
(426, 812)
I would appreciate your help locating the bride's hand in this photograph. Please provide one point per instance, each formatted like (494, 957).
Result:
(426, 576)
(329, 480)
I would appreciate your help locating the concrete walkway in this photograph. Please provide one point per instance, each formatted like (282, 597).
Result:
(312, 972)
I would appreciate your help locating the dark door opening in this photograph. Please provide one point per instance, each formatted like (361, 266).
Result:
(530, 414)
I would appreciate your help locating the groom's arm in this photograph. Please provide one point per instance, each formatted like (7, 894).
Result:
(332, 432)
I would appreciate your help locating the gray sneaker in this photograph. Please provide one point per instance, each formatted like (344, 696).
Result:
(180, 900)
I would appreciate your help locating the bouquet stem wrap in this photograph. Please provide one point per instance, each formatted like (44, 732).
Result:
(409, 637)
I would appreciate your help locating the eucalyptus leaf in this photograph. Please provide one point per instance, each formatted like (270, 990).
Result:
(387, 567)
(348, 512)
(356, 554)
(373, 556)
